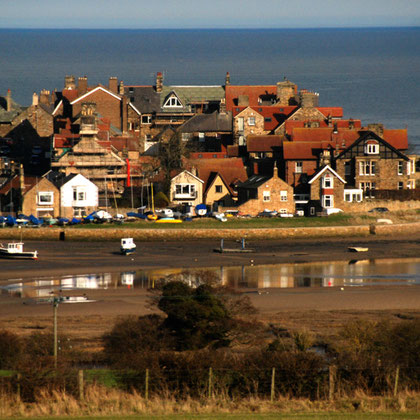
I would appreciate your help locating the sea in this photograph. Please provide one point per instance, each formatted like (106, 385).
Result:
(373, 73)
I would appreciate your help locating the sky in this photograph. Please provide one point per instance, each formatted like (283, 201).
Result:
(141, 14)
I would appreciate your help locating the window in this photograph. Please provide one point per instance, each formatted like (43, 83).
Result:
(146, 119)
(367, 167)
(267, 119)
(353, 196)
(45, 197)
(187, 190)
(312, 211)
(299, 167)
(79, 194)
(366, 186)
(219, 188)
(400, 167)
(371, 148)
(79, 211)
(172, 102)
(411, 184)
(327, 201)
(283, 211)
(401, 185)
(266, 196)
(283, 195)
(251, 121)
(327, 181)
(130, 90)
(240, 124)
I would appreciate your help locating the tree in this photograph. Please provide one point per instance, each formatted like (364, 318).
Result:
(196, 318)
(10, 349)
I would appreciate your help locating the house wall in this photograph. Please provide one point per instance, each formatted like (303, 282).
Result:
(30, 203)
(40, 120)
(386, 175)
(337, 191)
(186, 178)
(67, 202)
(256, 129)
(106, 105)
(212, 195)
(274, 185)
(293, 178)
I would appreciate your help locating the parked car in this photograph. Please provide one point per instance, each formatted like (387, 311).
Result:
(328, 212)
(378, 210)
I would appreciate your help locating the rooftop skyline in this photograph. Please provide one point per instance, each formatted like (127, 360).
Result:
(168, 14)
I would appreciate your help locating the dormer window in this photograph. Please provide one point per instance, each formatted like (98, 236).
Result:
(172, 102)
(371, 148)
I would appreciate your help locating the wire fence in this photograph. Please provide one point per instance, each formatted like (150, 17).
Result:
(316, 384)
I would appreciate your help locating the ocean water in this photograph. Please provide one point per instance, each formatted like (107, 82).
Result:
(374, 74)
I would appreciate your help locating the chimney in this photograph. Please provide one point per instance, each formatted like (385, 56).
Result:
(275, 170)
(159, 82)
(351, 124)
(227, 80)
(69, 82)
(378, 129)
(44, 97)
(309, 99)
(9, 100)
(285, 92)
(121, 88)
(194, 171)
(35, 99)
(222, 106)
(113, 84)
(82, 85)
(243, 100)
(124, 121)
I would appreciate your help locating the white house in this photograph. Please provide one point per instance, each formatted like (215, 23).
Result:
(79, 196)
(186, 189)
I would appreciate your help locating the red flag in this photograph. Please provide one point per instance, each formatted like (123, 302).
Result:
(128, 173)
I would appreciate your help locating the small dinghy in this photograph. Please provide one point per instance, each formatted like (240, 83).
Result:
(127, 246)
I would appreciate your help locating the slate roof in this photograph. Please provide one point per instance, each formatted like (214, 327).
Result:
(214, 122)
(144, 98)
(254, 181)
(8, 116)
(191, 95)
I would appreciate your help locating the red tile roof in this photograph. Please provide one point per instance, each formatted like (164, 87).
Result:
(397, 138)
(263, 143)
(343, 136)
(231, 169)
(333, 111)
(70, 94)
(273, 115)
(253, 92)
(291, 124)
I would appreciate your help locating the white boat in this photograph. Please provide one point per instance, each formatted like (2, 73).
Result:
(127, 246)
(15, 250)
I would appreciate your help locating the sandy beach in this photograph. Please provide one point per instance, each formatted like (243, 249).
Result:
(317, 309)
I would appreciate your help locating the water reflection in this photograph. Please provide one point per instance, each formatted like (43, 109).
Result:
(326, 274)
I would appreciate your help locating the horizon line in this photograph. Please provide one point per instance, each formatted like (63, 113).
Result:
(218, 28)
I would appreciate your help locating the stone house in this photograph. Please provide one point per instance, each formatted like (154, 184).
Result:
(326, 191)
(260, 193)
(42, 199)
(186, 189)
(371, 163)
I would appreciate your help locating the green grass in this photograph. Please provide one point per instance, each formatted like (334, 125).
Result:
(236, 223)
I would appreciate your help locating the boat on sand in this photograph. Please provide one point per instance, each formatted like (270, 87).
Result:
(15, 250)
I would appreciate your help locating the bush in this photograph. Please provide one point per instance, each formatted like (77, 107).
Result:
(10, 350)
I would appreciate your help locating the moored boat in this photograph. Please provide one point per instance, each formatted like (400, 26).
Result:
(15, 250)
(127, 246)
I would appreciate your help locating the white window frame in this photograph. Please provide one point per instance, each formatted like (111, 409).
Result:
(312, 211)
(50, 194)
(400, 185)
(173, 102)
(367, 167)
(400, 169)
(79, 211)
(283, 211)
(146, 119)
(185, 190)
(298, 167)
(266, 196)
(353, 196)
(251, 121)
(327, 181)
(328, 198)
(283, 195)
(371, 148)
(79, 194)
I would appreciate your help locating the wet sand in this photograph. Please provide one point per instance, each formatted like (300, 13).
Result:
(315, 308)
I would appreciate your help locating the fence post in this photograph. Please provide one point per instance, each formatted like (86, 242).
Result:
(210, 382)
(18, 387)
(81, 385)
(331, 380)
(146, 385)
(273, 382)
(397, 377)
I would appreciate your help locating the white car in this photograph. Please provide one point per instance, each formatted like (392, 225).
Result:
(331, 211)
